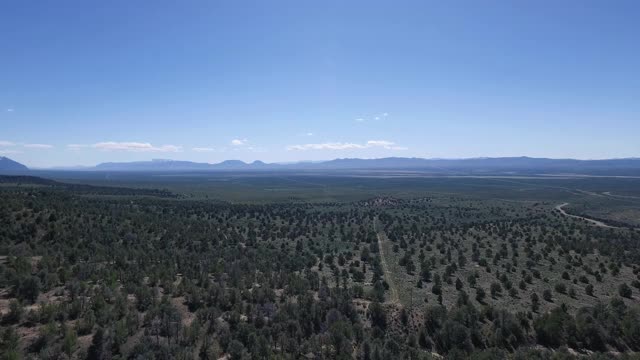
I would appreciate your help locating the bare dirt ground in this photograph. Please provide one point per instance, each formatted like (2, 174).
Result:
(187, 316)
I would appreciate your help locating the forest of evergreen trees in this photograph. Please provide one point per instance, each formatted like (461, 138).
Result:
(105, 273)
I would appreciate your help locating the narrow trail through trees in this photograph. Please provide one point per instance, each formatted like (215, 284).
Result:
(393, 291)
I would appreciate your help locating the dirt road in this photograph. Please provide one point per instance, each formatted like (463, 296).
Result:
(394, 298)
(592, 221)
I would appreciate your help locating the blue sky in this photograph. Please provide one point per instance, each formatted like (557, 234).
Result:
(83, 82)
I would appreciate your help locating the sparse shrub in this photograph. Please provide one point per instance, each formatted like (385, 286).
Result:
(589, 290)
(625, 291)
(495, 289)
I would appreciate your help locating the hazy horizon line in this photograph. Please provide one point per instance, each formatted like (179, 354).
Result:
(316, 161)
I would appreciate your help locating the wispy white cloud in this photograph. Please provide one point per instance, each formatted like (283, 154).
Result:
(326, 146)
(239, 142)
(389, 145)
(381, 143)
(4, 143)
(309, 134)
(129, 146)
(374, 117)
(9, 110)
(9, 151)
(384, 144)
(203, 149)
(38, 146)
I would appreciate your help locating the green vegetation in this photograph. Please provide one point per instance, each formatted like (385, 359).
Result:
(404, 268)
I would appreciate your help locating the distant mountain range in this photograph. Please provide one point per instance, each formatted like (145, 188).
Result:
(7, 164)
(502, 164)
(463, 166)
(177, 165)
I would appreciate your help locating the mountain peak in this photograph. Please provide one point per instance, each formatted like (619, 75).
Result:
(229, 162)
(7, 164)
